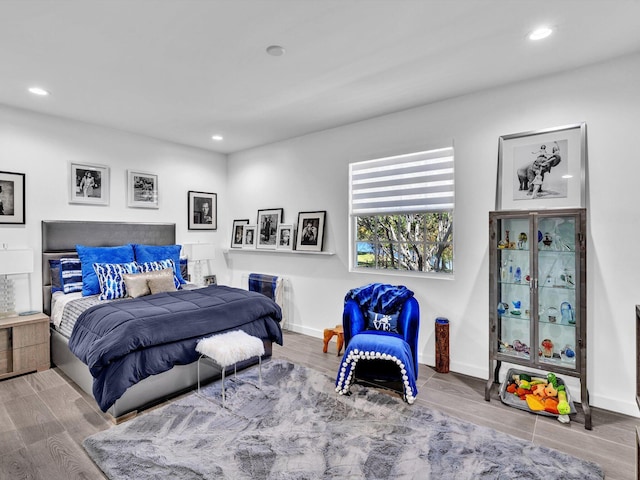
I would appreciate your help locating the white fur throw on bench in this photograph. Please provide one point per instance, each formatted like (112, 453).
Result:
(230, 348)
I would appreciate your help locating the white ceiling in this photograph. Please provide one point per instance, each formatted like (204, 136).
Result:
(182, 70)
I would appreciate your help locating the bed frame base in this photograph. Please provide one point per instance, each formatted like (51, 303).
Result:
(148, 392)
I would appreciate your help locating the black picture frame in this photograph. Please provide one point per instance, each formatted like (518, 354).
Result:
(202, 210)
(236, 232)
(310, 231)
(12, 198)
(267, 227)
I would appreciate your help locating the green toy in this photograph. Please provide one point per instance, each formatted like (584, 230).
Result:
(563, 404)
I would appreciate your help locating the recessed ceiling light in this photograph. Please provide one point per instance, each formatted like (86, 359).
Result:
(540, 33)
(217, 138)
(38, 91)
(275, 50)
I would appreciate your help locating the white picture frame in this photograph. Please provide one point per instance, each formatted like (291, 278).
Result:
(249, 236)
(542, 169)
(142, 190)
(285, 237)
(267, 223)
(89, 184)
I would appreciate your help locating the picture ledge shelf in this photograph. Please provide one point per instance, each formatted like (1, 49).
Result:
(265, 250)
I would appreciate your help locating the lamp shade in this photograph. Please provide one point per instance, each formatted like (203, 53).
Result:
(200, 251)
(16, 261)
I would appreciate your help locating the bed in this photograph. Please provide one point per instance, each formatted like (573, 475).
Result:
(59, 240)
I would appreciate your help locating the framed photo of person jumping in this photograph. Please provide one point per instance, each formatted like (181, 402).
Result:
(202, 211)
(310, 231)
(142, 190)
(542, 169)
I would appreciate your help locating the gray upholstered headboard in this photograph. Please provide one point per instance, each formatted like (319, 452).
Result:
(59, 239)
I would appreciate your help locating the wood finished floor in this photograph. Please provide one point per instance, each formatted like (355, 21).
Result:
(44, 417)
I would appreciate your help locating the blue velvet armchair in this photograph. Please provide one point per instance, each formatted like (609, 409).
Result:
(354, 322)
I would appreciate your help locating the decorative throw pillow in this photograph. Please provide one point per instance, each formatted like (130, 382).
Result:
(110, 277)
(156, 253)
(90, 255)
(138, 283)
(163, 282)
(54, 270)
(184, 268)
(70, 275)
(160, 265)
(382, 322)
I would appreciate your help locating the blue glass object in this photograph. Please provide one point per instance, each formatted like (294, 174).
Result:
(568, 315)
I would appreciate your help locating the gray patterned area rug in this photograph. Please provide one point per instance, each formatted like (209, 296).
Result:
(298, 427)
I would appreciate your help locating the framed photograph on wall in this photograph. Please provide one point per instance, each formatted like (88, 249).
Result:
(89, 184)
(285, 237)
(542, 169)
(202, 210)
(142, 190)
(310, 232)
(249, 236)
(12, 198)
(236, 232)
(268, 221)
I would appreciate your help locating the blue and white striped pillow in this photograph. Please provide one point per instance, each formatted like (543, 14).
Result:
(111, 280)
(160, 265)
(71, 275)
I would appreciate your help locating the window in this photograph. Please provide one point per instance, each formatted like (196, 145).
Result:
(401, 211)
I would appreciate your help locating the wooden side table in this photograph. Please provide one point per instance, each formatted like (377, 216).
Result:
(328, 335)
(24, 345)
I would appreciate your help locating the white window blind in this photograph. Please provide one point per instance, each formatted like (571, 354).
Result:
(415, 182)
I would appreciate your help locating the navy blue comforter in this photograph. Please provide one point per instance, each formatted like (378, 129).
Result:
(126, 341)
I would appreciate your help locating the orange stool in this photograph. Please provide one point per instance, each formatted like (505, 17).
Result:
(328, 335)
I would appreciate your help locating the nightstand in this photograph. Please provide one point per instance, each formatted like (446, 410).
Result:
(24, 344)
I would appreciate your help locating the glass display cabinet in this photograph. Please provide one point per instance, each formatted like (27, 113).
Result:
(537, 294)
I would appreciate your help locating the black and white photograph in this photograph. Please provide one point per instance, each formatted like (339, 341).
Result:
(12, 198)
(202, 211)
(142, 190)
(310, 232)
(236, 232)
(285, 235)
(249, 236)
(542, 169)
(268, 221)
(89, 184)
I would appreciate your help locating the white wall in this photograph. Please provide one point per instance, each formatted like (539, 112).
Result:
(310, 173)
(42, 147)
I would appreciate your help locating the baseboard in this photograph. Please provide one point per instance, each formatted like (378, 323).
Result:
(614, 405)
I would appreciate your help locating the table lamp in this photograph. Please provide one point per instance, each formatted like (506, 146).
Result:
(197, 253)
(12, 262)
